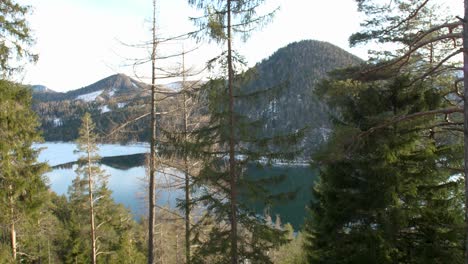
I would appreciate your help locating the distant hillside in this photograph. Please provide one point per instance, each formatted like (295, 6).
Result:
(115, 85)
(111, 102)
(41, 89)
(291, 73)
(294, 71)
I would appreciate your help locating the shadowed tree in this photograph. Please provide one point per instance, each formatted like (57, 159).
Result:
(22, 188)
(422, 34)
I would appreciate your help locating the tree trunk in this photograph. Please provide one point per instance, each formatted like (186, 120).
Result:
(186, 168)
(91, 202)
(12, 224)
(13, 239)
(465, 113)
(152, 184)
(232, 158)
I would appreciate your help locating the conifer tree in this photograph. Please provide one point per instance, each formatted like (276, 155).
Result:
(76, 220)
(388, 196)
(88, 167)
(235, 234)
(423, 34)
(15, 37)
(22, 188)
(118, 238)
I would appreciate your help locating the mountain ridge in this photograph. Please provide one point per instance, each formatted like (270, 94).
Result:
(297, 67)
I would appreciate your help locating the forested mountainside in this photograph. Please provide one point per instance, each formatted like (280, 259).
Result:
(290, 74)
(105, 89)
(112, 102)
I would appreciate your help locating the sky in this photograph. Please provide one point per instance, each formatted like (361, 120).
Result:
(82, 41)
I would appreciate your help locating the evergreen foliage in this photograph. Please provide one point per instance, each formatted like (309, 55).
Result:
(22, 188)
(256, 238)
(292, 252)
(15, 37)
(111, 225)
(392, 195)
(228, 142)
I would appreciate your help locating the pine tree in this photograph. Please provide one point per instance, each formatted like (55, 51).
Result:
(423, 35)
(88, 167)
(234, 234)
(15, 37)
(22, 188)
(389, 196)
(114, 234)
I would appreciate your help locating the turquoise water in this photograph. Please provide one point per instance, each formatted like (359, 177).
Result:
(128, 185)
(123, 164)
(294, 191)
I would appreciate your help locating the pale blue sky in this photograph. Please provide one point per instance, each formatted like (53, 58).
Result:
(79, 41)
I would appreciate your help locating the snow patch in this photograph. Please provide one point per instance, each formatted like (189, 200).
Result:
(121, 105)
(89, 97)
(134, 85)
(324, 132)
(174, 86)
(104, 109)
(112, 91)
(57, 122)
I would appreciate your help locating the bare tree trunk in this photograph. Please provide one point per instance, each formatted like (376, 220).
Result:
(12, 224)
(465, 113)
(177, 249)
(232, 158)
(186, 168)
(48, 250)
(91, 202)
(13, 239)
(152, 183)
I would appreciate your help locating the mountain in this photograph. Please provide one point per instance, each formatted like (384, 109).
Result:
(115, 85)
(291, 73)
(111, 101)
(41, 89)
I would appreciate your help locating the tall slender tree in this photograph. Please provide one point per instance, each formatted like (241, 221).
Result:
(87, 144)
(226, 138)
(152, 169)
(218, 21)
(21, 184)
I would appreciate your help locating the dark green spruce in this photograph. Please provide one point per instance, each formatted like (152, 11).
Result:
(389, 189)
(22, 189)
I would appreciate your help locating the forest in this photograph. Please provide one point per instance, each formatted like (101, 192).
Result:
(388, 136)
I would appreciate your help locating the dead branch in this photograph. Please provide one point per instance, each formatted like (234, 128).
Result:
(409, 117)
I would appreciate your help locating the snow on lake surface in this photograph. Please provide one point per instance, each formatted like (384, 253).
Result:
(56, 153)
(89, 97)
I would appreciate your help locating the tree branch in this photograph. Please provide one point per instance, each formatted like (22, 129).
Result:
(409, 117)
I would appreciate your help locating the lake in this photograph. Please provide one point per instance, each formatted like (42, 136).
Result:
(124, 165)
